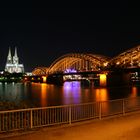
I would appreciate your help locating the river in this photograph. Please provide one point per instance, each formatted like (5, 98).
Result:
(25, 95)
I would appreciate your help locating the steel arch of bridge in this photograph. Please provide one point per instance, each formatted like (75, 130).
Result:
(129, 58)
(82, 61)
(78, 61)
(40, 71)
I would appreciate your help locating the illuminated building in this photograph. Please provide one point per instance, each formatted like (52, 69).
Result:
(12, 64)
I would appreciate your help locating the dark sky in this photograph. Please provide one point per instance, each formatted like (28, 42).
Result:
(45, 32)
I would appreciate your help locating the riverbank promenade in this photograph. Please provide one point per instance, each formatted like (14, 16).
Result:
(115, 128)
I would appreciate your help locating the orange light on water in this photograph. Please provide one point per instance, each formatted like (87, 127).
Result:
(101, 94)
(43, 95)
(134, 101)
(134, 92)
(103, 79)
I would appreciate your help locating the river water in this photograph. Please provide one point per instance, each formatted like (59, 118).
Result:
(24, 95)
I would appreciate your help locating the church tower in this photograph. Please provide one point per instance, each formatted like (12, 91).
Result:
(15, 57)
(9, 57)
(12, 64)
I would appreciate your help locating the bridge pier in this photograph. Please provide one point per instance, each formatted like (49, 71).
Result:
(56, 79)
(44, 79)
(118, 78)
(103, 80)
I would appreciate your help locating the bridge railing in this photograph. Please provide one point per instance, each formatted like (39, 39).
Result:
(25, 119)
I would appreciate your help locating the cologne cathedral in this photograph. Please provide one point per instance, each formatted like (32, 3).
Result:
(12, 64)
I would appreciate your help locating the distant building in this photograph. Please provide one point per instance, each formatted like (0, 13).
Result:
(12, 64)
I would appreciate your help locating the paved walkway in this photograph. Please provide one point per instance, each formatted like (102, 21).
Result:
(118, 128)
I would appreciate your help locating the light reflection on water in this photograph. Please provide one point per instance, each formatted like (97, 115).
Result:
(134, 101)
(101, 94)
(134, 92)
(71, 93)
(41, 94)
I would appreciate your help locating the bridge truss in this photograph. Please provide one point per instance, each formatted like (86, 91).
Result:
(40, 71)
(129, 58)
(79, 62)
(91, 62)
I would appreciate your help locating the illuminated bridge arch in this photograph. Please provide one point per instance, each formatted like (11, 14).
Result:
(129, 58)
(40, 71)
(79, 62)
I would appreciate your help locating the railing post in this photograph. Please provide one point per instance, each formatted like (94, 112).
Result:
(31, 119)
(100, 110)
(70, 114)
(123, 106)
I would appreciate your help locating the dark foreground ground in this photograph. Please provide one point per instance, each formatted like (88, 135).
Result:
(116, 128)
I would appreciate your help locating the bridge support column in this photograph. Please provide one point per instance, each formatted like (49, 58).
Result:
(103, 80)
(44, 79)
(118, 78)
(56, 79)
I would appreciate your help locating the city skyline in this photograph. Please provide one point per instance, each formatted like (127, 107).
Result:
(43, 34)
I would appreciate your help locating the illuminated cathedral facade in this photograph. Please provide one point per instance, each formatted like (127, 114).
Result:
(12, 64)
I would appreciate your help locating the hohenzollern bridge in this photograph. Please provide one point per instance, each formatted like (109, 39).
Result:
(83, 62)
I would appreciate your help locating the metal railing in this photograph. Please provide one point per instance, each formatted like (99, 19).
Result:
(37, 117)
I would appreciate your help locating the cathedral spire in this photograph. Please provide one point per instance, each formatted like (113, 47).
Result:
(15, 57)
(15, 52)
(9, 53)
(9, 57)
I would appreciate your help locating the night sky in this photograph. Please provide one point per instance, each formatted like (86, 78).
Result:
(44, 33)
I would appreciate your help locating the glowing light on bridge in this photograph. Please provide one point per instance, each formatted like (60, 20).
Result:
(71, 77)
(105, 64)
(70, 71)
(103, 80)
(117, 63)
(44, 79)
